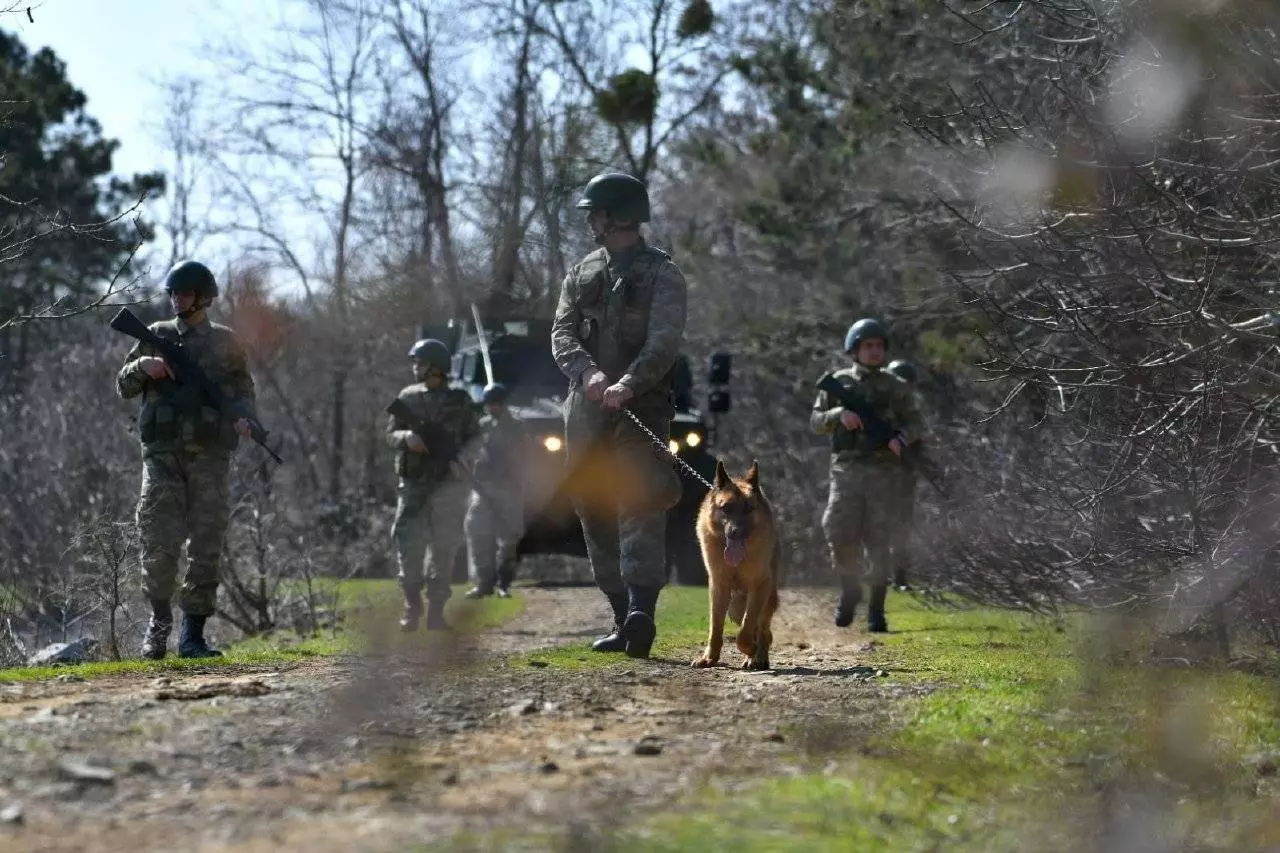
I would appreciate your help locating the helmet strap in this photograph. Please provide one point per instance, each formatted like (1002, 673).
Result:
(200, 304)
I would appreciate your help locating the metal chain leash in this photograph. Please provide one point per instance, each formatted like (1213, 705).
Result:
(665, 448)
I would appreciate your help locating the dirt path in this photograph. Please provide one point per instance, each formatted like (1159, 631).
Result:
(389, 750)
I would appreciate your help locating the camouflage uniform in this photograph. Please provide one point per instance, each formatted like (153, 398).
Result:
(495, 514)
(624, 314)
(432, 504)
(186, 462)
(865, 481)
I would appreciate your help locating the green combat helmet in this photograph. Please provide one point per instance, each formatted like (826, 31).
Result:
(431, 353)
(902, 369)
(865, 329)
(187, 276)
(620, 195)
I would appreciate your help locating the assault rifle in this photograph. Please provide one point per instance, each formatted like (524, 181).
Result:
(190, 377)
(441, 447)
(879, 431)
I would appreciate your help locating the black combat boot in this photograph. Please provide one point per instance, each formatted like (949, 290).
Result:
(412, 608)
(480, 590)
(875, 610)
(156, 643)
(640, 629)
(615, 642)
(191, 642)
(850, 595)
(435, 615)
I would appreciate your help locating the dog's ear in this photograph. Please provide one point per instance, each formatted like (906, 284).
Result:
(753, 476)
(722, 478)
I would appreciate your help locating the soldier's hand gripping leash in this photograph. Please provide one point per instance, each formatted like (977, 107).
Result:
(878, 430)
(189, 375)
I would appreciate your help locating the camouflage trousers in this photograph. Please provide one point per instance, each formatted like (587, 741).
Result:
(493, 530)
(622, 486)
(184, 500)
(428, 534)
(860, 518)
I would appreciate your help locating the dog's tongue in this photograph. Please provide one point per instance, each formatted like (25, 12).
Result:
(734, 551)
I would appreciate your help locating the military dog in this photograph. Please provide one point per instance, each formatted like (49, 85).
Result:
(740, 549)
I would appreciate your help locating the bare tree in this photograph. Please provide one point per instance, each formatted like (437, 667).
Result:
(105, 550)
(645, 107)
(186, 136)
(305, 110)
(411, 147)
(1120, 249)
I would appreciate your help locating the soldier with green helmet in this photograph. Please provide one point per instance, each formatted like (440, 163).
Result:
(431, 492)
(901, 540)
(618, 328)
(865, 478)
(495, 513)
(186, 460)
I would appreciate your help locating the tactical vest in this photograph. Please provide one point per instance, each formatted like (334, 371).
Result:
(178, 415)
(879, 394)
(449, 408)
(615, 314)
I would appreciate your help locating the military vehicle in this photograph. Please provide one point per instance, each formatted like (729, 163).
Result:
(520, 352)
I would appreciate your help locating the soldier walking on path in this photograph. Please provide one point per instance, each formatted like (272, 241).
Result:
(186, 459)
(865, 476)
(618, 327)
(432, 491)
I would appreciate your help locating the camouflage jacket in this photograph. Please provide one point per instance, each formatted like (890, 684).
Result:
(500, 453)
(623, 314)
(450, 408)
(889, 396)
(174, 417)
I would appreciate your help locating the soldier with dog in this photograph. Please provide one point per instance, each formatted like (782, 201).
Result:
(617, 331)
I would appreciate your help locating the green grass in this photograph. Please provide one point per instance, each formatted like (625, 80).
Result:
(1008, 754)
(360, 600)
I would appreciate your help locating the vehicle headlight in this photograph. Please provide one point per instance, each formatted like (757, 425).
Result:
(693, 439)
(673, 445)
(552, 443)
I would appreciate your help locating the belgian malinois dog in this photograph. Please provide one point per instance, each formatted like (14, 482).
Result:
(740, 549)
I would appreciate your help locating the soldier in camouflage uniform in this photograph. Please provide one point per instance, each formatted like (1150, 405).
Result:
(186, 460)
(432, 493)
(619, 325)
(901, 534)
(495, 514)
(865, 479)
